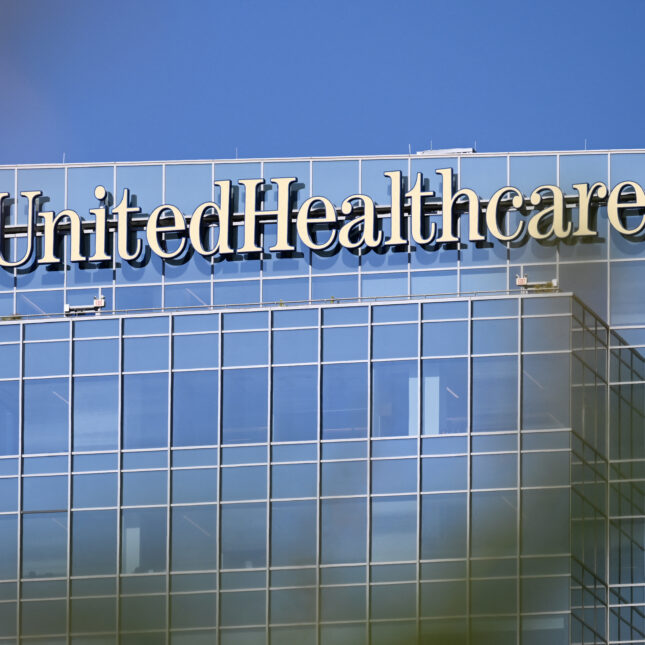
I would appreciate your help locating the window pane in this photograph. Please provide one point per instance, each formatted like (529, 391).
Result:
(94, 537)
(143, 540)
(145, 411)
(394, 529)
(445, 396)
(293, 533)
(194, 411)
(46, 411)
(443, 526)
(243, 535)
(9, 428)
(343, 528)
(494, 394)
(395, 399)
(344, 343)
(44, 545)
(194, 538)
(296, 346)
(245, 406)
(96, 407)
(344, 401)
(198, 350)
(96, 356)
(295, 403)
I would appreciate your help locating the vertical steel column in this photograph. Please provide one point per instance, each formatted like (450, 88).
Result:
(418, 464)
(169, 473)
(119, 529)
(70, 436)
(368, 550)
(469, 494)
(268, 473)
(21, 423)
(218, 528)
(318, 473)
(518, 519)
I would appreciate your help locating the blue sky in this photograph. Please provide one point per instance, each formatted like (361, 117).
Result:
(160, 79)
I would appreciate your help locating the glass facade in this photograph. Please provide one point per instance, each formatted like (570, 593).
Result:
(393, 446)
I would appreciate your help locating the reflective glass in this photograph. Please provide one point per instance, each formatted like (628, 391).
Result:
(44, 493)
(142, 354)
(95, 491)
(9, 361)
(445, 338)
(244, 483)
(395, 398)
(344, 478)
(46, 410)
(249, 348)
(144, 488)
(344, 413)
(94, 538)
(295, 403)
(395, 341)
(143, 540)
(96, 356)
(194, 411)
(145, 410)
(445, 396)
(494, 394)
(244, 417)
(44, 545)
(96, 406)
(494, 523)
(293, 533)
(443, 526)
(243, 535)
(296, 346)
(343, 526)
(193, 538)
(194, 485)
(394, 529)
(344, 343)
(198, 350)
(9, 420)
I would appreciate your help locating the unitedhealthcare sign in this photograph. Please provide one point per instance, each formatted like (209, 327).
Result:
(416, 216)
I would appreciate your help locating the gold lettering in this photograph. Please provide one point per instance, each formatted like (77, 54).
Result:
(251, 212)
(396, 219)
(100, 240)
(556, 212)
(49, 236)
(223, 212)
(304, 220)
(492, 213)
(31, 197)
(123, 212)
(153, 229)
(416, 196)
(585, 197)
(614, 206)
(448, 203)
(367, 219)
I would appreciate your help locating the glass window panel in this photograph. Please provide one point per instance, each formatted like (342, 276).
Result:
(344, 478)
(96, 423)
(8, 546)
(234, 172)
(545, 521)
(138, 298)
(295, 403)
(243, 535)
(94, 543)
(81, 183)
(249, 348)
(9, 421)
(279, 263)
(95, 490)
(143, 540)
(187, 185)
(44, 545)
(244, 482)
(293, 480)
(199, 350)
(529, 172)
(297, 346)
(627, 292)
(445, 396)
(443, 526)
(344, 343)
(335, 180)
(195, 323)
(394, 475)
(9, 361)
(285, 290)
(445, 338)
(394, 341)
(494, 471)
(433, 282)
(299, 189)
(626, 167)
(444, 473)
(51, 181)
(145, 411)
(334, 287)
(494, 336)
(344, 413)
(145, 354)
(576, 169)
(546, 334)
(394, 529)
(44, 493)
(143, 488)
(384, 284)
(483, 280)
(46, 410)
(9, 494)
(193, 538)
(295, 318)
(545, 391)
(546, 468)
(245, 406)
(44, 359)
(194, 485)
(494, 394)
(395, 399)
(96, 356)
(293, 533)
(194, 413)
(484, 175)
(343, 530)
(494, 524)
